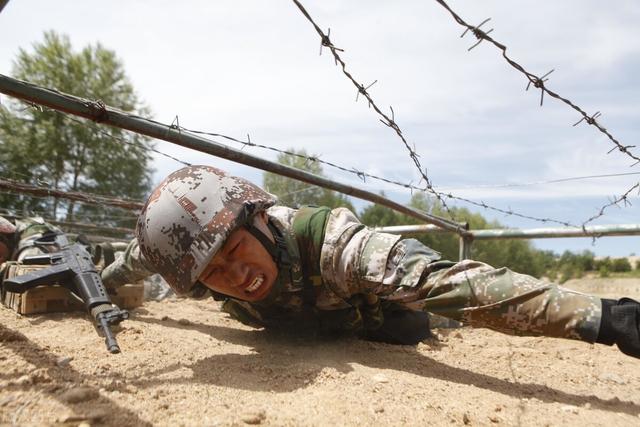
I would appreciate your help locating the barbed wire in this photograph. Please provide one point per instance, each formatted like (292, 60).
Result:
(124, 141)
(538, 82)
(36, 212)
(528, 184)
(614, 201)
(316, 159)
(95, 227)
(77, 225)
(15, 186)
(362, 175)
(390, 122)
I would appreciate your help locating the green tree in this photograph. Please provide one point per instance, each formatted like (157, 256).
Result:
(50, 148)
(620, 265)
(295, 193)
(571, 265)
(379, 216)
(519, 255)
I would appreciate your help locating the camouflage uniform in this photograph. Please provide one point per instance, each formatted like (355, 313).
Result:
(363, 271)
(26, 232)
(128, 267)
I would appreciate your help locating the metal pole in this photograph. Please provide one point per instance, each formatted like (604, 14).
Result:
(545, 233)
(411, 229)
(465, 247)
(532, 233)
(98, 112)
(3, 3)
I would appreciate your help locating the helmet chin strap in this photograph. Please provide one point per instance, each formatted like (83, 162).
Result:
(277, 250)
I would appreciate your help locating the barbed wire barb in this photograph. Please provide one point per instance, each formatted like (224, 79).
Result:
(175, 124)
(533, 79)
(589, 119)
(614, 201)
(363, 90)
(480, 34)
(325, 41)
(538, 82)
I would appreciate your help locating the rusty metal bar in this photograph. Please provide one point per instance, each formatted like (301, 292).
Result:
(80, 225)
(98, 112)
(96, 228)
(22, 188)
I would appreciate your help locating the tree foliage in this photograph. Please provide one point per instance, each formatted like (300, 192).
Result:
(296, 193)
(44, 147)
(519, 255)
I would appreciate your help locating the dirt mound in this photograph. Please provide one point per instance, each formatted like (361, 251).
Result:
(186, 363)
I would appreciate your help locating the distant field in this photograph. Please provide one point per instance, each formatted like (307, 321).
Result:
(608, 287)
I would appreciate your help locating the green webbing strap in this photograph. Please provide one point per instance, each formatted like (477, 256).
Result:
(309, 227)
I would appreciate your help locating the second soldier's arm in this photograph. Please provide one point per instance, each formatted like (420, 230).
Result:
(128, 267)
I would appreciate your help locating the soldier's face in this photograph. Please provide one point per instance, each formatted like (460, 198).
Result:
(243, 268)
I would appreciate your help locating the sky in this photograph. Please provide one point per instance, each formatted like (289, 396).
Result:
(253, 67)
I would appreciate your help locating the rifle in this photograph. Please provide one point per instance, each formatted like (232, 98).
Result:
(73, 268)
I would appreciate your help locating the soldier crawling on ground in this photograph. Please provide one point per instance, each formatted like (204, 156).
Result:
(21, 239)
(207, 232)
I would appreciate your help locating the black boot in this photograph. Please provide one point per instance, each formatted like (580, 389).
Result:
(620, 324)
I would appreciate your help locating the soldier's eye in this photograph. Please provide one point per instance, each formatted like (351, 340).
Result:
(210, 275)
(235, 247)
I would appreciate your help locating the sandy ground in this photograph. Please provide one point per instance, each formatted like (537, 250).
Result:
(185, 363)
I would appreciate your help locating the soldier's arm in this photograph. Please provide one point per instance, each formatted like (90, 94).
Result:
(129, 267)
(480, 295)
(477, 294)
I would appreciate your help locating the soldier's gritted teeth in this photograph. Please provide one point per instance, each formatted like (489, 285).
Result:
(242, 269)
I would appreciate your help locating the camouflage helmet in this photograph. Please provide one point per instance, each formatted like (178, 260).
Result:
(189, 216)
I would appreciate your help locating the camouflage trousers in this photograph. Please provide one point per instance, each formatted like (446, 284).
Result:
(479, 295)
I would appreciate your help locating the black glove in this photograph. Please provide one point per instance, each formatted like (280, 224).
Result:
(620, 324)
